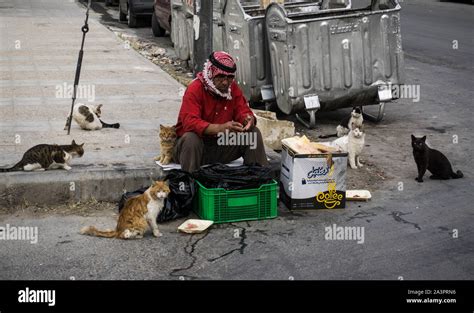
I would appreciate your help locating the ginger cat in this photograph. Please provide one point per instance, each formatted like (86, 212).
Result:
(138, 213)
(167, 141)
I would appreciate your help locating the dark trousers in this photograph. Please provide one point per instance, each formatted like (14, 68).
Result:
(191, 151)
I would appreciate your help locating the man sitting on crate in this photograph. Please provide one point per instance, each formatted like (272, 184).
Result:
(214, 113)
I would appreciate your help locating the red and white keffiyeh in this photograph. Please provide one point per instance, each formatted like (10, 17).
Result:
(219, 63)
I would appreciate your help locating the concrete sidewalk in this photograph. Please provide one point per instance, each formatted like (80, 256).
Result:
(39, 46)
(40, 41)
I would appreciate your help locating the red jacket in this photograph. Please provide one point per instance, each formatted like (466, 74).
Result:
(201, 108)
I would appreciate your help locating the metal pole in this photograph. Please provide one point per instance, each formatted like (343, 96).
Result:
(202, 47)
(84, 29)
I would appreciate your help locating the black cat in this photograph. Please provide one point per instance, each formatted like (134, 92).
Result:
(431, 159)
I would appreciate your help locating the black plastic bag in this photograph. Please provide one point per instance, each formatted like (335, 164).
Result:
(233, 177)
(180, 200)
(128, 195)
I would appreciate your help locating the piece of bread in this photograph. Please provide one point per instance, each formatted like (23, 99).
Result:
(323, 148)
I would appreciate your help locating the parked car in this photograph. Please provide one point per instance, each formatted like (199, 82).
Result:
(133, 10)
(161, 19)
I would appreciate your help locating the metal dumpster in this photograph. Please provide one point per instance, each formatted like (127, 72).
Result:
(182, 12)
(344, 56)
(182, 33)
(238, 28)
(245, 39)
(232, 32)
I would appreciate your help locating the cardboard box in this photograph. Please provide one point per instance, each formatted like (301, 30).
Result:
(307, 182)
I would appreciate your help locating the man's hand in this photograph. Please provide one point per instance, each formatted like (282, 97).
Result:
(248, 122)
(232, 127)
(215, 129)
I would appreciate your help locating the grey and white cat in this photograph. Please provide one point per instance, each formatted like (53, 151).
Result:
(87, 116)
(352, 143)
(44, 157)
(350, 122)
(355, 118)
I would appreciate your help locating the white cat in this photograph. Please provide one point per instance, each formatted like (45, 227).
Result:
(352, 143)
(87, 116)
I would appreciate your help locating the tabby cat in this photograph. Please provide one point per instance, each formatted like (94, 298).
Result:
(138, 213)
(87, 116)
(167, 141)
(431, 160)
(44, 157)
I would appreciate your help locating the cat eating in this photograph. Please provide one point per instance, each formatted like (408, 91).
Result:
(431, 160)
(167, 141)
(87, 116)
(138, 213)
(44, 157)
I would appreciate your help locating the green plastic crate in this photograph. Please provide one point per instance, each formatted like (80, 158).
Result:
(221, 206)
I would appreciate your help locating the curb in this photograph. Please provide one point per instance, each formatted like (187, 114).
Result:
(83, 184)
(58, 186)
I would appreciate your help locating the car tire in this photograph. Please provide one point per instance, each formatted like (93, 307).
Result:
(132, 18)
(158, 31)
(122, 16)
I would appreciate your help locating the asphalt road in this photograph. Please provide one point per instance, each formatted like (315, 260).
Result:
(438, 32)
(412, 230)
